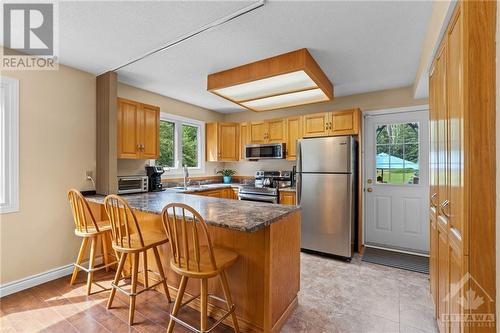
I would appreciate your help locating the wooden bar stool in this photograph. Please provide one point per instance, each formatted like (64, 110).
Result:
(128, 239)
(193, 256)
(89, 229)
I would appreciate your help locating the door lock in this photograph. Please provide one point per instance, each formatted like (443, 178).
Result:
(369, 180)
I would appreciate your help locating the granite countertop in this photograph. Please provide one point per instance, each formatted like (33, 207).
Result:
(246, 216)
(287, 189)
(201, 188)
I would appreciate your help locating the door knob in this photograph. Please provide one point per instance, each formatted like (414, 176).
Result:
(369, 189)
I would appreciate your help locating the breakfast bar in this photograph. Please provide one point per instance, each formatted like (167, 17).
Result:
(265, 279)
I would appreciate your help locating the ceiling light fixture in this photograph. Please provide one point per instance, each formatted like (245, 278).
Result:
(286, 80)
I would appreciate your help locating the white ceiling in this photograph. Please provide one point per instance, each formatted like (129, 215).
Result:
(362, 46)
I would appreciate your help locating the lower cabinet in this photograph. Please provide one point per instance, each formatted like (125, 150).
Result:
(223, 193)
(287, 198)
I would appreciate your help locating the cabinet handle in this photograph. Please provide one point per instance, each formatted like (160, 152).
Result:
(434, 196)
(445, 204)
(138, 147)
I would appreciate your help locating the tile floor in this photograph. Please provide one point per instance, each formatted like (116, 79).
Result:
(335, 296)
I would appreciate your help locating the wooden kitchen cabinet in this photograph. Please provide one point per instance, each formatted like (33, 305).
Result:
(268, 131)
(293, 133)
(287, 198)
(223, 193)
(462, 169)
(316, 124)
(345, 122)
(138, 130)
(244, 139)
(222, 142)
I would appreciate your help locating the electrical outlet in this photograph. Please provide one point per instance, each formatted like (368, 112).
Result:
(89, 173)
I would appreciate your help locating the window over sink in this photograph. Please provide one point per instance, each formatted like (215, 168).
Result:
(181, 142)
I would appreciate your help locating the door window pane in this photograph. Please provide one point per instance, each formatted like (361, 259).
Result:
(167, 144)
(190, 145)
(397, 153)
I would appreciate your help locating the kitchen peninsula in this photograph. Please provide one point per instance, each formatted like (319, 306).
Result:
(266, 278)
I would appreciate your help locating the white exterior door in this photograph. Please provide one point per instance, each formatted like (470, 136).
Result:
(396, 177)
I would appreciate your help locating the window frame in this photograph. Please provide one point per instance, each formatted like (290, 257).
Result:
(9, 149)
(178, 122)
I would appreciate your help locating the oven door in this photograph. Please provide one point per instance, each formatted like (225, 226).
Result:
(258, 197)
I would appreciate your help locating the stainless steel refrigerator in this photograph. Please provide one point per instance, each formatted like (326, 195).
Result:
(326, 192)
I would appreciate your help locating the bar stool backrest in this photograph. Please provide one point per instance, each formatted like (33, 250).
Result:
(186, 230)
(82, 215)
(123, 221)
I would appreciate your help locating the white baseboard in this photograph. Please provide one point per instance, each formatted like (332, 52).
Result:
(35, 280)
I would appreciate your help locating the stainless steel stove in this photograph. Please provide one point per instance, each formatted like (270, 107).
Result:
(266, 187)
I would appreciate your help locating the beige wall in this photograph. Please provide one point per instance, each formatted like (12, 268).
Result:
(57, 144)
(171, 106)
(377, 100)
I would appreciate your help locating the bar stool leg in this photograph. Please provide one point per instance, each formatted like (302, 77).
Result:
(135, 269)
(119, 271)
(162, 273)
(104, 243)
(90, 277)
(178, 302)
(203, 305)
(79, 259)
(145, 260)
(229, 299)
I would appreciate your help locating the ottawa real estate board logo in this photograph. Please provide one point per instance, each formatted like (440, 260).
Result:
(29, 36)
(470, 305)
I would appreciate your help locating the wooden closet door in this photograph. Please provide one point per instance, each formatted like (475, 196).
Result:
(150, 130)
(128, 129)
(443, 183)
(456, 101)
(433, 191)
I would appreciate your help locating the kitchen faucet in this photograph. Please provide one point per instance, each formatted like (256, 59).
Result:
(186, 176)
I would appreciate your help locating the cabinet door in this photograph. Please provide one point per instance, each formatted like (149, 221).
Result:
(345, 122)
(211, 142)
(457, 272)
(150, 132)
(443, 274)
(433, 261)
(276, 131)
(454, 88)
(228, 142)
(316, 124)
(293, 133)
(258, 132)
(244, 139)
(128, 129)
(287, 198)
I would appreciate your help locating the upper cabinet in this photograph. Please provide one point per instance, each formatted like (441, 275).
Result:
(332, 123)
(244, 138)
(293, 133)
(268, 131)
(138, 130)
(316, 124)
(222, 142)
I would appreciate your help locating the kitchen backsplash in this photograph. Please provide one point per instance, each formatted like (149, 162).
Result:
(248, 168)
(136, 167)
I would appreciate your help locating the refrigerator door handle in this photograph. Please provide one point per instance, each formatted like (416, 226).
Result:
(298, 188)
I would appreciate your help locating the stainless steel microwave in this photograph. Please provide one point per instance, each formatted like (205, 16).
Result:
(132, 184)
(264, 151)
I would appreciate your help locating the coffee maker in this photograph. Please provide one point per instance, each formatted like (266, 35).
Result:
(154, 174)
